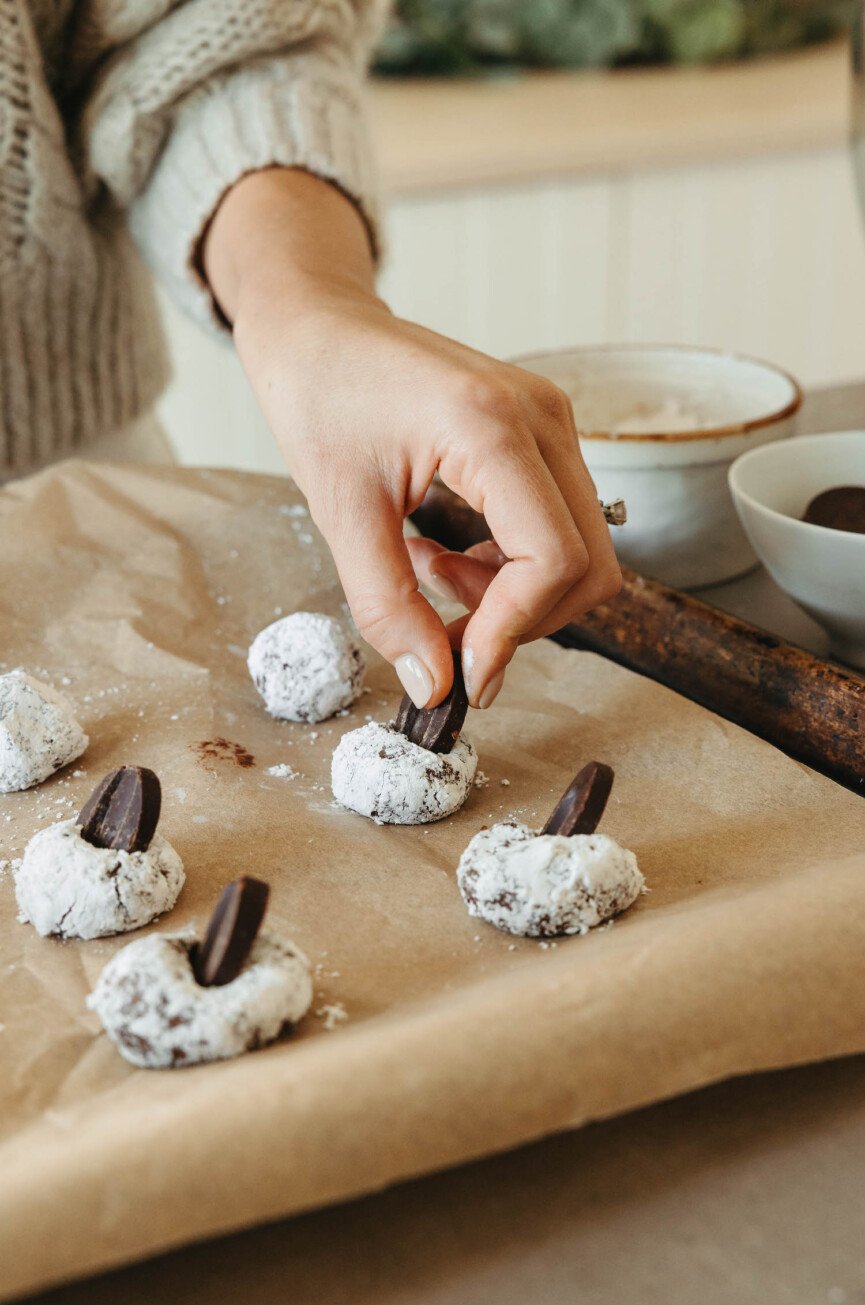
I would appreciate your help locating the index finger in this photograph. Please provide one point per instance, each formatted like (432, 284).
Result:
(514, 489)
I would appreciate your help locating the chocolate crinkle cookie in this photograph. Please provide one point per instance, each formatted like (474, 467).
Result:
(378, 772)
(68, 888)
(307, 667)
(38, 731)
(159, 1016)
(543, 885)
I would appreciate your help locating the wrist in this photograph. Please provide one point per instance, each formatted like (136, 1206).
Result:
(284, 234)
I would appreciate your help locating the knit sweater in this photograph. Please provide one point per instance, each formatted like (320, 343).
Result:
(122, 124)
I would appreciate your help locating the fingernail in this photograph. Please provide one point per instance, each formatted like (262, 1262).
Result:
(415, 678)
(491, 691)
(443, 586)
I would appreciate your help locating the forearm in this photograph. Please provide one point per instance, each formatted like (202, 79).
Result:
(367, 407)
(284, 233)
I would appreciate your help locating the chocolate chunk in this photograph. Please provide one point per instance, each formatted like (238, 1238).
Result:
(123, 811)
(582, 804)
(842, 508)
(231, 932)
(438, 728)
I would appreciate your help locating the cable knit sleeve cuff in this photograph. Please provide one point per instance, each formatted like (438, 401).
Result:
(299, 112)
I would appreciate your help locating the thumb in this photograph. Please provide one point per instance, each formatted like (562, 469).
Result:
(366, 540)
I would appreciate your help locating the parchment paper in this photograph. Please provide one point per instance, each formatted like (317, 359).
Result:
(142, 589)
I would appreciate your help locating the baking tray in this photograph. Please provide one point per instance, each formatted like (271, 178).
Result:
(811, 709)
(432, 1038)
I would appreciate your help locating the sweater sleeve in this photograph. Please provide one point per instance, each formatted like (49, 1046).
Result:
(202, 92)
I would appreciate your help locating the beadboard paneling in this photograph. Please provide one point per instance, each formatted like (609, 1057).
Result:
(764, 255)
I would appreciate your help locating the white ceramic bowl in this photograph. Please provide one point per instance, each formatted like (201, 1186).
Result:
(822, 569)
(659, 426)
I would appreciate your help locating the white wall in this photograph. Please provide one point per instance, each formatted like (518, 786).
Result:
(766, 256)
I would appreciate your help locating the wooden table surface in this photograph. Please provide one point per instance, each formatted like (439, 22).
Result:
(748, 1193)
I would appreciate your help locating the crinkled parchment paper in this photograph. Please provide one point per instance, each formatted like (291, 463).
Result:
(138, 592)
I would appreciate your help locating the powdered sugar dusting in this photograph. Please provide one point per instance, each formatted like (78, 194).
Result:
(333, 1013)
(39, 733)
(306, 667)
(68, 888)
(541, 885)
(159, 1017)
(379, 773)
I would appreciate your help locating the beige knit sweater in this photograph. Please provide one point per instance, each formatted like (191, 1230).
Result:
(122, 117)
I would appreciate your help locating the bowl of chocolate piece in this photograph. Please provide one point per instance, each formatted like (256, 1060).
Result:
(802, 505)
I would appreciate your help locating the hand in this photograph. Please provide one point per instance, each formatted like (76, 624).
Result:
(366, 408)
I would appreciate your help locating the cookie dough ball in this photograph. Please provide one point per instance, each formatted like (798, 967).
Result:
(541, 885)
(379, 773)
(38, 731)
(68, 888)
(158, 1016)
(306, 667)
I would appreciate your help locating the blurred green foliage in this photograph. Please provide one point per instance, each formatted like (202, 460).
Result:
(429, 37)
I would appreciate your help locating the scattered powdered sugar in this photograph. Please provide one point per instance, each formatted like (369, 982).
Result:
(68, 888)
(378, 772)
(159, 1017)
(482, 779)
(333, 1013)
(282, 771)
(306, 667)
(541, 885)
(38, 731)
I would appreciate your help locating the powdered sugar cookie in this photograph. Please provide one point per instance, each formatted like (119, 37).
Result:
(38, 731)
(168, 1000)
(306, 667)
(564, 880)
(378, 772)
(542, 885)
(107, 871)
(67, 888)
(158, 1015)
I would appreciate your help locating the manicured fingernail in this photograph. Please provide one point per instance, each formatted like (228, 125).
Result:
(491, 691)
(467, 655)
(443, 586)
(415, 678)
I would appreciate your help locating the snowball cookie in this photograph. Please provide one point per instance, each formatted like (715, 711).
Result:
(38, 731)
(68, 888)
(158, 1016)
(378, 772)
(306, 667)
(541, 885)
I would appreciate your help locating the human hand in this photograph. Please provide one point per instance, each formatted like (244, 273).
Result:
(367, 407)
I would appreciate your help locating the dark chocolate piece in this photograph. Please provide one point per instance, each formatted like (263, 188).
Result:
(123, 811)
(231, 932)
(842, 508)
(438, 728)
(581, 806)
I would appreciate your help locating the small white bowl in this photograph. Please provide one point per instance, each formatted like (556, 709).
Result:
(659, 426)
(822, 570)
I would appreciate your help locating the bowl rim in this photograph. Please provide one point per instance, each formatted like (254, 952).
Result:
(680, 437)
(806, 526)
